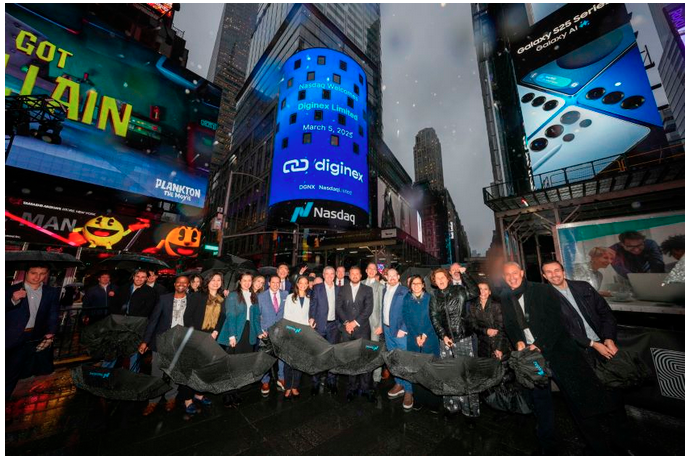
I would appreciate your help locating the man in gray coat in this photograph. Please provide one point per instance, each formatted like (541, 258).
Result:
(375, 318)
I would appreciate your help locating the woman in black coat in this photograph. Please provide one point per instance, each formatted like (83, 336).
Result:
(448, 313)
(486, 320)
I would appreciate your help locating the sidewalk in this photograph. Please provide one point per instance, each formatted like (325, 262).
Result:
(48, 416)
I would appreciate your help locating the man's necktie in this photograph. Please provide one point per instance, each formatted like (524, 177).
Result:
(276, 304)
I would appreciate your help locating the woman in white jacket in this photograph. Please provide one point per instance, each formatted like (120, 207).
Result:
(296, 309)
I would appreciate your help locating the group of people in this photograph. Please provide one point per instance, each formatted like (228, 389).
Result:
(568, 322)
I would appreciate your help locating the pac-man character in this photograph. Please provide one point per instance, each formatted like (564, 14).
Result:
(104, 231)
(180, 241)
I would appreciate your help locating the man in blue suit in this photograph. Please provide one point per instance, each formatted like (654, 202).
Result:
(323, 311)
(271, 311)
(395, 331)
(102, 294)
(31, 319)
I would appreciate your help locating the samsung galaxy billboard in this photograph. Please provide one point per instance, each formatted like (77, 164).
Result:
(132, 119)
(319, 171)
(584, 92)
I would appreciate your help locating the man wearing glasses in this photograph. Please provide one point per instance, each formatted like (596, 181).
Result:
(637, 254)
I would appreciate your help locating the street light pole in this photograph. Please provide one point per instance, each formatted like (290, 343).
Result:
(226, 207)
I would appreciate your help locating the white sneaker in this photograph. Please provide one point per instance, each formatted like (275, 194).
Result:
(396, 391)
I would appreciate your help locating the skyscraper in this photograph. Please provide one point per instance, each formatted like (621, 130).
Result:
(428, 159)
(228, 68)
(282, 30)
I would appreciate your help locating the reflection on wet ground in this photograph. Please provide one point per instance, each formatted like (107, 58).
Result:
(48, 416)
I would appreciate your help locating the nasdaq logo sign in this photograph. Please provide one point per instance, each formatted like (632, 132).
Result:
(321, 212)
(303, 212)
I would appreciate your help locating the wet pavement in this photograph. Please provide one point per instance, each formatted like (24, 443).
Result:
(49, 416)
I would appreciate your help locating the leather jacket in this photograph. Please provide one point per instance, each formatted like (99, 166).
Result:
(448, 309)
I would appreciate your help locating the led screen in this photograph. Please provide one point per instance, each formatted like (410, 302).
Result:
(319, 172)
(675, 18)
(134, 121)
(584, 92)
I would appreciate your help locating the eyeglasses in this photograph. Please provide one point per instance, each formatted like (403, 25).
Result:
(631, 247)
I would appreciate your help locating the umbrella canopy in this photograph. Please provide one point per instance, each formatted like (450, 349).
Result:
(461, 375)
(530, 368)
(301, 347)
(114, 336)
(625, 369)
(241, 263)
(676, 275)
(194, 359)
(357, 357)
(23, 259)
(267, 271)
(118, 384)
(421, 271)
(406, 365)
(133, 261)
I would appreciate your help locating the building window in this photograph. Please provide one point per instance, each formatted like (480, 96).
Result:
(293, 118)
(355, 88)
(296, 65)
(283, 103)
(361, 79)
(319, 115)
(278, 126)
(290, 83)
(334, 140)
(326, 94)
(361, 131)
(284, 143)
(356, 148)
(351, 103)
(336, 78)
(343, 65)
(310, 76)
(321, 60)
(301, 95)
(341, 119)
(307, 138)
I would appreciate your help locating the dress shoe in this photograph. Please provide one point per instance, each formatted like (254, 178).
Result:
(371, 396)
(280, 385)
(296, 393)
(203, 401)
(408, 401)
(149, 409)
(396, 391)
(385, 374)
(350, 396)
(264, 389)
(170, 405)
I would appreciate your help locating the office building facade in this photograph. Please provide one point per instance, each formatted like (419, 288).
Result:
(428, 159)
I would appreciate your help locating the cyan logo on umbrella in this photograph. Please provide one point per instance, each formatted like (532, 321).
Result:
(538, 367)
(295, 330)
(302, 212)
(372, 347)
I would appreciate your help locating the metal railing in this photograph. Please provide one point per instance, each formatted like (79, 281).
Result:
(72, 321)
(596, 169)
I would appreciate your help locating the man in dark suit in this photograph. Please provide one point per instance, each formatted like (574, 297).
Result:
(31, 320)
(341, 279)
(163, 318)
(282, 271)
(354, 306)
(323, 312)
(136, 299)
(102, 294)
(532, 319)
(585, 314)
(160, 289)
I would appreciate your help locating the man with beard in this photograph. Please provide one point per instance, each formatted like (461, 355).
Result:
(532, 318)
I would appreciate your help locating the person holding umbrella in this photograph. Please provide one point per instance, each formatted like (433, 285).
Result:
(421, 336)
(239, 334)
(208, 316)
(486, 317)
(296, 308)
(31, 321)
(449, 318)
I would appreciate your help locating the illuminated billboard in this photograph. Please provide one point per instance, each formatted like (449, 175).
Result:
(395, 211)
(583, 90)
(134, 121)
(675, 18)
(319, 171)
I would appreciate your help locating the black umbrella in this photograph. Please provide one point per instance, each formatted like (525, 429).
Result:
(461, 375)
(421, 271)
(625, 369)
(239, 262)
(114, 336)
(118, 384)
(133, 261)
(406, 365)
(301, 347)
(530, 368)
(194, 359)
(23, 259)
(357, 357)
(267, 271)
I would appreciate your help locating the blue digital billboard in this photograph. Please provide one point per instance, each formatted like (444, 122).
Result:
(133, 120)
(319, 171)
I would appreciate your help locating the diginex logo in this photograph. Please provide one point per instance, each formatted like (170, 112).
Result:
(538, 367)
(333, 168)
(295, 330)
(320, 212)
(296, 166)
(372, 347)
